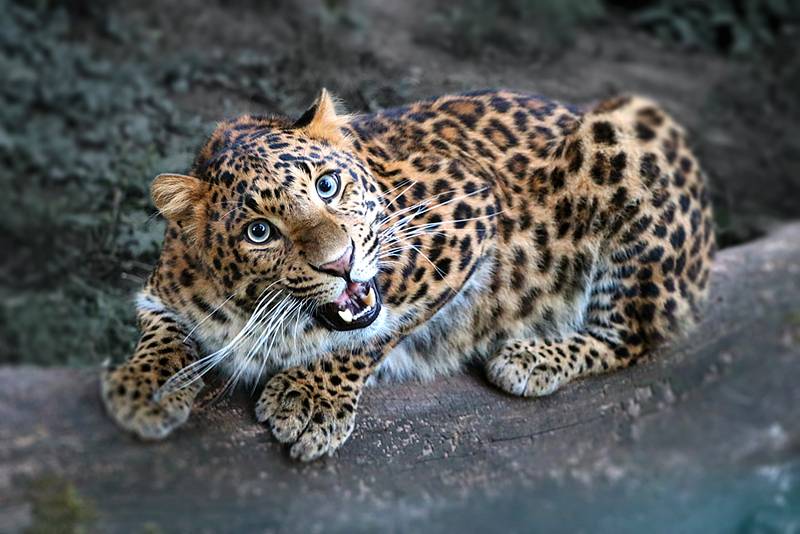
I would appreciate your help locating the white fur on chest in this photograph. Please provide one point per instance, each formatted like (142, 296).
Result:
(434, 347)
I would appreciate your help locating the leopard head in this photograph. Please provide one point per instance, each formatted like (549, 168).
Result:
(279, 206)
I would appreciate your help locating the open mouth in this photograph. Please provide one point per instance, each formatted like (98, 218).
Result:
(358, 306)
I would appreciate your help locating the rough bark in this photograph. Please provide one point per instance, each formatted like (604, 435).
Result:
(707, 433)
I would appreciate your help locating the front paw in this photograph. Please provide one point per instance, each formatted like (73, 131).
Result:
(128, 398)
(303, 408)
(524, 373)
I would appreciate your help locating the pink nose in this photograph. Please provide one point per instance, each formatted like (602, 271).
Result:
(340, 267)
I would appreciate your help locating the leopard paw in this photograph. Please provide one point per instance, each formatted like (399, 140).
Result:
(128, 399)
(524, 373)
(314, 419)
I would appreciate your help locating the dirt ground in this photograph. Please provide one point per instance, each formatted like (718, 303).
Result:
(100, 97)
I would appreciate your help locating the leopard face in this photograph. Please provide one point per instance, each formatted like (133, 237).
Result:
(276, 210)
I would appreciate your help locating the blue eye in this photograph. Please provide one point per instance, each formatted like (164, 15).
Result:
(259, 231)
(327, 186)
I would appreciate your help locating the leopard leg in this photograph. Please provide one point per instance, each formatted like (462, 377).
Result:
(534, 368)
(313, 407)
(636, 307)
(128, 389)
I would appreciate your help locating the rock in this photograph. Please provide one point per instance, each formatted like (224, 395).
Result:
(706, 433)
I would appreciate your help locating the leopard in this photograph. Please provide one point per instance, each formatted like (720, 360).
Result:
(312, 257)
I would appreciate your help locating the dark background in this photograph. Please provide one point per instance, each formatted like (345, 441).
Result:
(98, 97)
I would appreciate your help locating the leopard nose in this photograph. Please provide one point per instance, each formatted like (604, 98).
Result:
(340, 267)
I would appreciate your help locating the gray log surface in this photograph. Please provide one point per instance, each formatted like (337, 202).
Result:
(706, 434)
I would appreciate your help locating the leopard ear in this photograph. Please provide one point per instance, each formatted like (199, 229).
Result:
(321, 121)
(175, 195)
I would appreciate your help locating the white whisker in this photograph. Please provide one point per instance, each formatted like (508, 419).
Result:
(195, 370)
(258, 343)
(271, 335)
(425, 203)
(207, 317)
(424, 229)
(444, 277)
(403, 183)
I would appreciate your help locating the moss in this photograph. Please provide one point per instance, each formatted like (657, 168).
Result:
(57, 507)
(151, 528)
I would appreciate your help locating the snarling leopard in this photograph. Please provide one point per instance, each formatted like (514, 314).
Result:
(544, 241)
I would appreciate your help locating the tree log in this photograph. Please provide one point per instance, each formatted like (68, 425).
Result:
(704, 434)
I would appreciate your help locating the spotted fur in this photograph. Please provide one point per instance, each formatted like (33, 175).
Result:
(548, 241)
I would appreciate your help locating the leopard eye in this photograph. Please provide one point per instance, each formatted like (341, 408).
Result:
(327, 186)
(259, 231)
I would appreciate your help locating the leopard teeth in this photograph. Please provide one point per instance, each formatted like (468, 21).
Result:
(369, 300)
(363, 312)
(346, 315)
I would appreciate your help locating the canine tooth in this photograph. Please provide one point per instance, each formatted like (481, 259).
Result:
(346, 315)
(369, 300)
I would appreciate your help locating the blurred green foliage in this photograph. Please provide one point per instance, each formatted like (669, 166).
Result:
(90, 113)
(79, 138)
(737, 27)
(470, 27)
(727, 26)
